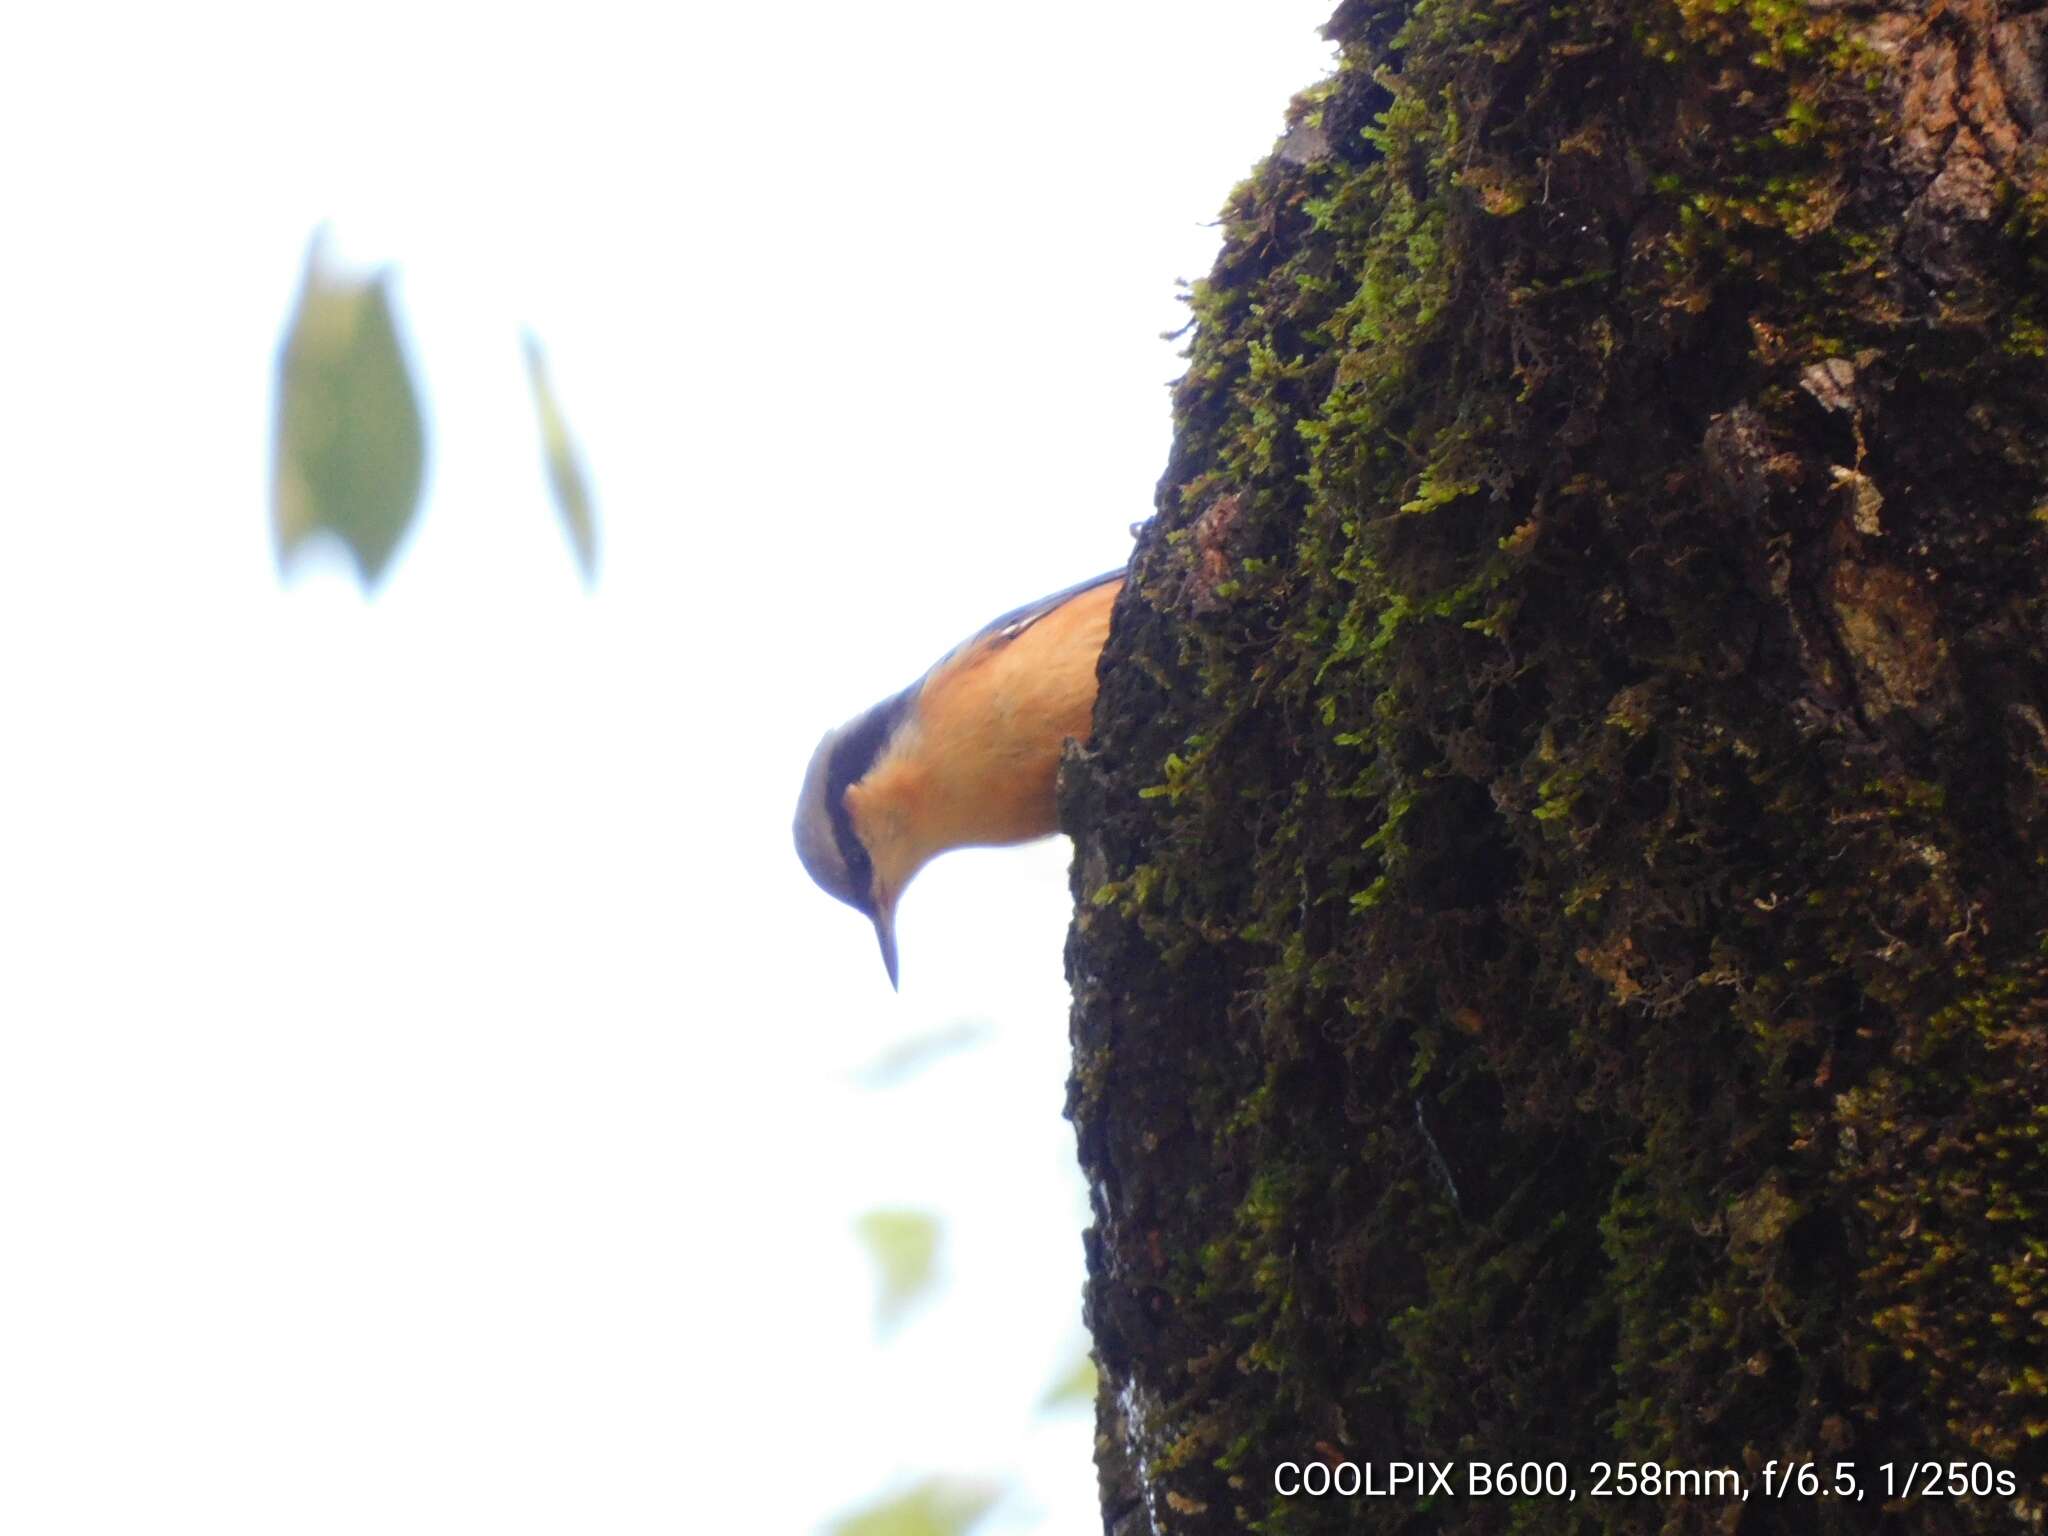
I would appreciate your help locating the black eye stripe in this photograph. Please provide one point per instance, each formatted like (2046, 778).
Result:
(852, 757)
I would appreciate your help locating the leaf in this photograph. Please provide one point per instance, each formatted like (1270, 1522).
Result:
(1076, 1385)
(904, 1059)
(565, 468)
(905, 1248)
(935, 1507)
(350, 445)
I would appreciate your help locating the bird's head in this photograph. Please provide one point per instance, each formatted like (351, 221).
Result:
(849, 844)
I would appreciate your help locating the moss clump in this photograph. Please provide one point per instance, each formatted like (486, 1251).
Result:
(1564, 843)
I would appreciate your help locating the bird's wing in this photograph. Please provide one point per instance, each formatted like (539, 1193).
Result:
(1017, 620)
(1001, 631)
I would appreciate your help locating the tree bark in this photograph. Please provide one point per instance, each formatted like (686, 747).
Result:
(1561, 964)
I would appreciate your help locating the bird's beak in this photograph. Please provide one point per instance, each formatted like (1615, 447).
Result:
(885, 930)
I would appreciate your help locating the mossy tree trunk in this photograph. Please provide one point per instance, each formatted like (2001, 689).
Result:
(1562, 868)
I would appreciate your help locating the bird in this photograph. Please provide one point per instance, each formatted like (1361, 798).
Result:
(964, 757)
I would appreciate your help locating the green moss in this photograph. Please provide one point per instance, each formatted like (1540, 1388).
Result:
(1573, 893)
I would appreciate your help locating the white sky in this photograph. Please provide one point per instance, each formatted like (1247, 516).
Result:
(428, 1082)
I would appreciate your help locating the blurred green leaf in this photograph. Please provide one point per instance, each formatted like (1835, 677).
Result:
(1076, 1385)
(565, 468)
(350, 445)
(935, 1507)
(906, 1058)
(905, 1248)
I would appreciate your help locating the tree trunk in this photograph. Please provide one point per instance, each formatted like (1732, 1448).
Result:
(1561, 970)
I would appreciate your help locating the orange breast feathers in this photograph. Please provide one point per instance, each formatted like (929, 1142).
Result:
(978, 765)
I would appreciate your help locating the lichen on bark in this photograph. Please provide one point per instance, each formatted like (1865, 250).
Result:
(1561, 964)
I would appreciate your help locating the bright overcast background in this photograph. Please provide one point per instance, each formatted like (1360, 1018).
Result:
(432, 1097)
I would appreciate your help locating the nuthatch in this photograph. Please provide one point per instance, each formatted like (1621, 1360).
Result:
(964, 756)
